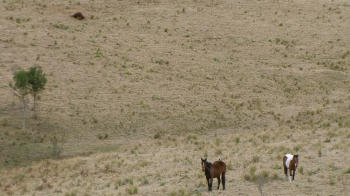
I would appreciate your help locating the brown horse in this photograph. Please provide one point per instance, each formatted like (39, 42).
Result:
(290, 164)
(214, 171)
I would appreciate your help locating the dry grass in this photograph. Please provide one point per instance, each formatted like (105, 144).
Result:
(173, 168)
(155, 85)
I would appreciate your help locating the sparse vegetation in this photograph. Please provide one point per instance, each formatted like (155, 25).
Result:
(132, 190)
(28, 82)
(37, 81)
(4, 122)
(255, 159)
(237, 139)
(21, 89)
(301, 170)
(259, 179)
(61, 26)
(143, 89)
(347, 171)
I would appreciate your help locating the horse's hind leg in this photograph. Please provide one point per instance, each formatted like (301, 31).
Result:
(284, 166)
(285, 170)
(218, 182)
(223, 180)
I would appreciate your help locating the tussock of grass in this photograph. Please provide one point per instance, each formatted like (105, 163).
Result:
(347, 171)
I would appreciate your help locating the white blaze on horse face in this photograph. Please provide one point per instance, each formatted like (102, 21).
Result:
(289, 158)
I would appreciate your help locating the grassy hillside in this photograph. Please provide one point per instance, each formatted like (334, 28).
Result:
(160, 83)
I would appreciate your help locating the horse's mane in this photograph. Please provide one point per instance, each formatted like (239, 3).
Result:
(209, 164)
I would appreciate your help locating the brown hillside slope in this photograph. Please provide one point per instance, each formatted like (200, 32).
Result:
(135, 70)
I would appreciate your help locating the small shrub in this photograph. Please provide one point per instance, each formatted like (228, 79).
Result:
(297, 148)
(128, 72)
(319, 153)
(4, 123)
(301, 170)
(331, 180)
(255, 159)
(118, 184)
(265, 174)
(129, 181)
(173, 193)
(73, 193)
(229, 166)
(157, 136)
(56, 146)
(347, 171)
(246, 177)
(347, 53)
(333, 167)
(94, 120)
(218, 141)
(252, 170)
(237, 140)
(98, 53)
(275, 176)
(132, 190)
(61, 26)
(144, 181)
(277, 40)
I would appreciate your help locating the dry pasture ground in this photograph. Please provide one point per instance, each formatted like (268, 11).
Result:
(150, 86)
(171, 166)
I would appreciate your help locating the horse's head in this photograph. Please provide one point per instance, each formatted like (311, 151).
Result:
(204, 163)
(296, 160)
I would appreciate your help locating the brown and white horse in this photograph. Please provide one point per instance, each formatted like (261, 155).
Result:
(290, 164)
(215, 170)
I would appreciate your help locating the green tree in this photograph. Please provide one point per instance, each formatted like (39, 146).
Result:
(21, 89)
(37, 81)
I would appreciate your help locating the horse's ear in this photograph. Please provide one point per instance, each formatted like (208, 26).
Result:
(202, 159)
(296, 156)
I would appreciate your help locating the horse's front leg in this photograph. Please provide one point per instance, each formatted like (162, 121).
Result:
(208, 184)
(211, 184)
(288, 174)
(293, 174)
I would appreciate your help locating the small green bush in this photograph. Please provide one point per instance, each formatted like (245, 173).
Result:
(347, 171)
